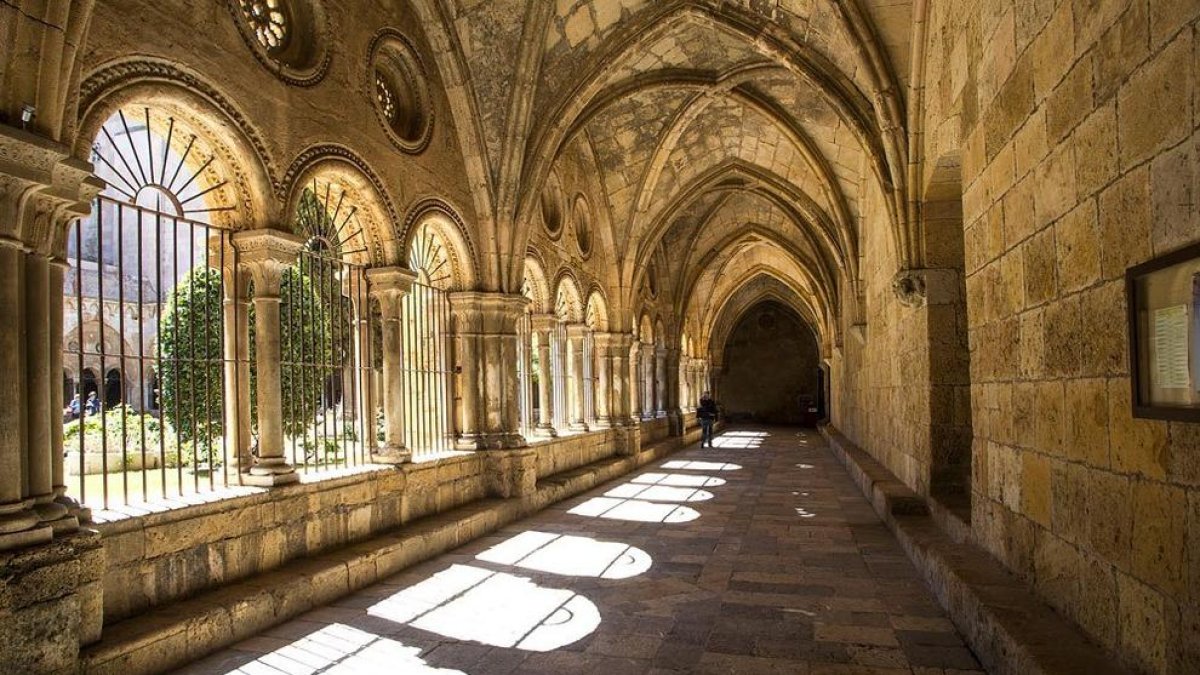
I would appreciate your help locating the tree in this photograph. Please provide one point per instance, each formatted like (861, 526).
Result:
(191, 358)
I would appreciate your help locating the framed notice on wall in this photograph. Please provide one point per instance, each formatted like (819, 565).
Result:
(1163, 297)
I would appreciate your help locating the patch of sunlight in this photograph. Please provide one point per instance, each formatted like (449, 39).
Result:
(701, 466)
(659, 493)
(569, 555)
(634, 510)
(677, 480)
(338, 648)
(805, 466)
(737, 443)
(492, 608)
(746, 434)
(805, 513)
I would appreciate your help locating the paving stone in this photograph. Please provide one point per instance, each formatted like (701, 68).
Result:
(786, 569)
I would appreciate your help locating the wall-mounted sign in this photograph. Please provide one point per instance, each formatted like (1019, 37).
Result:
(1163, 297)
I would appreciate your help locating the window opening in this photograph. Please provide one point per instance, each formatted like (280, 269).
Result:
(142, 301)
(426, 373)
(324, 312)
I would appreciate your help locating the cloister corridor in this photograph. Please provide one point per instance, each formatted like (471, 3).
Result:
(758, 556)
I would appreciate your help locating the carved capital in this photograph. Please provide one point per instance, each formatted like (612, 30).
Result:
(42, 190)
(544, 323)
(389, 285)
(266, 254)
(487, 313)
(613, 341)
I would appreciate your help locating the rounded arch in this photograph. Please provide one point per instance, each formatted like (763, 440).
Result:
(193, 107)
(536, 287)
(568, 300)
(596, 315)
(359, 213)
(433, 233)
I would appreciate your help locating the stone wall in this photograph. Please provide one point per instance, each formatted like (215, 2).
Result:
(1076, 124)
(157, 558)
(563, 454)
(655, 430)
(161, 557)
(881, 376)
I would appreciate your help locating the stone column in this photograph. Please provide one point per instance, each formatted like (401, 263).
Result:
(576, 333)
(19, 524)
(543, 327)
(660, 381)
(266, 254)
(235, 322)
(647, 374)
(42, 190)
(671, 390)
(389, 285)
(43, 410)
(487, 333)
(57, 271)
(607, 395)
(633, 379)
(364, 360)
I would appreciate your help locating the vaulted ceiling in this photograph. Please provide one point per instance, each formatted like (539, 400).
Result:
(754, 142)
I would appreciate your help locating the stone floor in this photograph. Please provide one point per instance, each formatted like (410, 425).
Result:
(758, 556)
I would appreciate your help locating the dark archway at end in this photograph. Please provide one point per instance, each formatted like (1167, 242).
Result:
(772, 368)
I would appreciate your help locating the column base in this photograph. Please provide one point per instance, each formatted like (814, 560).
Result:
(270, 473)
(578, 427)
(492, 441)
(81, 513)
(47, 510)
(56, 516)
(547, 431)
(603, 423)
(32, 535)
(391, 455)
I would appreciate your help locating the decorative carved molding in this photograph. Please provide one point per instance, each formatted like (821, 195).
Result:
(909, 287)
(401, 55)
(42, 190)
(426, 206)
(115, 77)
(318, 36)
(314, 155)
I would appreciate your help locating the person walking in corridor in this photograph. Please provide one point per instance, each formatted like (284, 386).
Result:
(707, 414)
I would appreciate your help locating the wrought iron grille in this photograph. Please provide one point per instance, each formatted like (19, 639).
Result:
(427, 370)
(144, 355)
(326, 361)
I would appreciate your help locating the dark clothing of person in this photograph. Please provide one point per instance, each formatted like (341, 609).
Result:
(707, 414)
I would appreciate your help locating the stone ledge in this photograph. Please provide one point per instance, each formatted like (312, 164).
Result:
(181, 632)
(1011, 631)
